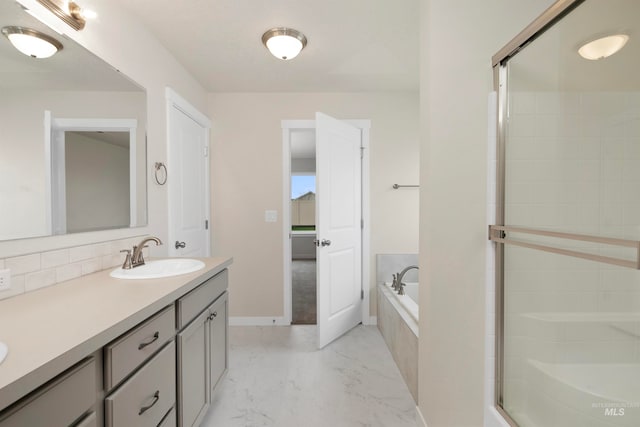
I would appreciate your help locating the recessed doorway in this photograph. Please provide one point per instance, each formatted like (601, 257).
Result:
(303, 228)
(340, 236)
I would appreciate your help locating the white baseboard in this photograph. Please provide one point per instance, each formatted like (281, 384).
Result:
(420, 418)
(275, 321)
(373, 320)
(258, 321)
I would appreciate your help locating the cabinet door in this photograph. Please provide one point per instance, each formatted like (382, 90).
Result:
(192, 372)
(218, 345)
(59, 403)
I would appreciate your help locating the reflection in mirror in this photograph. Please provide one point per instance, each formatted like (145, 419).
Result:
(72, 146)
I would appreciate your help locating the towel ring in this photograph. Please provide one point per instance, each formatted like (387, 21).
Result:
(160, 165)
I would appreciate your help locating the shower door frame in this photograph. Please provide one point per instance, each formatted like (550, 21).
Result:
(500, 82)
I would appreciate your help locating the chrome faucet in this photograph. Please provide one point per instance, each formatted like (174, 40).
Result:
(135, 258)
(399, 285)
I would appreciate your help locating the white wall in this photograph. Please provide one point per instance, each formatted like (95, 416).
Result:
(117, 37)
(246, 166)
(22, 148)
(458, 39)
(97, 183)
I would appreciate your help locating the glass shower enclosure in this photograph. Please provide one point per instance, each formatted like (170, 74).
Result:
(568, 220)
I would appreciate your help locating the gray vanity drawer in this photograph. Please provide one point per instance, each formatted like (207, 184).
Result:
(59, 403)
(169, 420)
(192, 304)
(90, 420)
(125, 354)
(145, 398)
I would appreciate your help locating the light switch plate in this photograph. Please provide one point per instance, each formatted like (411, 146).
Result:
(5, 279)
(270, 216)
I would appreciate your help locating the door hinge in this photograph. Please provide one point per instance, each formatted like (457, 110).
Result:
(362, 224)
(206, 151)
(361, 293)
(206, 224)
(362, 152)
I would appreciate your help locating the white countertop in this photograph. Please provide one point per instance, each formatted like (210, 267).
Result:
(50, 329)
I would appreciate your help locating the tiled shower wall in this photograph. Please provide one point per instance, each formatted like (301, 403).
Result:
(573, 165)
(37, 270)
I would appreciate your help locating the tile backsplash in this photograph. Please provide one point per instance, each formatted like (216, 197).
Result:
(41, 269)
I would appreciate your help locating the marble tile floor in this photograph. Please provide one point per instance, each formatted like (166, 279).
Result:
(278, 378)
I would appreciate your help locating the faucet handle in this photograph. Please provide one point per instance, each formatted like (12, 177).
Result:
(126, 265)
(401, 288)
(140, 259)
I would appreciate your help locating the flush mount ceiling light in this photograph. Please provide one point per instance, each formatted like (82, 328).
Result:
(284, 43)
(31, 42)
(603, 47)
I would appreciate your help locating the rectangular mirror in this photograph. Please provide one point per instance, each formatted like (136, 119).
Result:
(72, 140)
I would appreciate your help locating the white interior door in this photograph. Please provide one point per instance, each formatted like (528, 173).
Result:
(188, 179)
(338, 227)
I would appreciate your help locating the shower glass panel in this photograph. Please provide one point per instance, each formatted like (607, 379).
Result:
(570, 352)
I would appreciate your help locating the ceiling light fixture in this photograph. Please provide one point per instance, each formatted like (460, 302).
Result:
(31, 42)
(284, 43)
(603, 47)
(68, 11)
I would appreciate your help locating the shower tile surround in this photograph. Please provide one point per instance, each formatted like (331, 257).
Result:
(38, 270)
(401, 340)
(573, 160)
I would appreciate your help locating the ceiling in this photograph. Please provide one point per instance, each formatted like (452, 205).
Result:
(353, 45)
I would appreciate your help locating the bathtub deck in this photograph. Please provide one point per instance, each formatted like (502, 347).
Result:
(401, 339)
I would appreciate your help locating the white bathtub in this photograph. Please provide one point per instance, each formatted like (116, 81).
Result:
(408, 301)
(588, 394)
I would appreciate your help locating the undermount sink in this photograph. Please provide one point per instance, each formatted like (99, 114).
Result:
(159, 268)
(3, 351)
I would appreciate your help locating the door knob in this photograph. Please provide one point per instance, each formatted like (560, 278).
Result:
(180, 245)
(325, 242)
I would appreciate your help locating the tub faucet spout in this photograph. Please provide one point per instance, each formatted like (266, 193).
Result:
(399, 284)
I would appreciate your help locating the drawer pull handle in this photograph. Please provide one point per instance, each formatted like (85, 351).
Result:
(156, 397)
(151, 341)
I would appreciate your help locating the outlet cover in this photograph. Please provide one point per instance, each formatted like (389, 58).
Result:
(5, 279)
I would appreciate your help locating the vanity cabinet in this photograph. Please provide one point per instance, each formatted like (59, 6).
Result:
(159, 373)
(68, 399)
(128, 352)
(218, 342)
(193, 401)
(144, 399)
(202, 348)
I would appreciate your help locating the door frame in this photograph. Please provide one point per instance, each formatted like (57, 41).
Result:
(287, 127)
(176, 101)
(55, 129)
